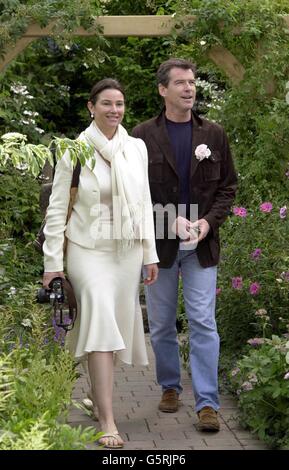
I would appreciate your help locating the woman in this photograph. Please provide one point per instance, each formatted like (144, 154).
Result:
(110, 236)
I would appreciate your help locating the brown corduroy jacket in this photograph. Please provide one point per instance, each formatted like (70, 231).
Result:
(213, 182)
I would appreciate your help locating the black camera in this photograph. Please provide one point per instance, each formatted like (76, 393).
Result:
(53, 294)
(61, 297)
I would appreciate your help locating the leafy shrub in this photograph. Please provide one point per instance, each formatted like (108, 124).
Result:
(19, 204)
(253, 273)
(36, 379)
(19, 266)
(261, 381)
(35, 393)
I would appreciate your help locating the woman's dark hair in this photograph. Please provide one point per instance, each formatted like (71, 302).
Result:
(163, 72)
(105, 84)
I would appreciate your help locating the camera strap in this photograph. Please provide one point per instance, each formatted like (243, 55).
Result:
(72, 304)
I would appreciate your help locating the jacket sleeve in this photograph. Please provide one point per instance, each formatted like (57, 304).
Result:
(226, 191)
(56, 215)
(149, 245)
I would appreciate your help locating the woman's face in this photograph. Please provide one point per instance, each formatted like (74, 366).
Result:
(108, 110)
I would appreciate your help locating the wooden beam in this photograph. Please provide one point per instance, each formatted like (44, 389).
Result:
(120, 26)
(226, 61)
(113, 26)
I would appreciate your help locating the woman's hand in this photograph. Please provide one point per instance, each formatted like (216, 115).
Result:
(47, 278)
(152, 271)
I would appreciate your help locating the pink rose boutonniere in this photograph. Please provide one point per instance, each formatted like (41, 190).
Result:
(202, 151)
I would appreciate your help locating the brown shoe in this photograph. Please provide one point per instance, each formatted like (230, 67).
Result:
(170, 401)
(208, 420)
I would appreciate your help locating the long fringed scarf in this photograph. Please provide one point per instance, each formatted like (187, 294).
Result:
(126, 198)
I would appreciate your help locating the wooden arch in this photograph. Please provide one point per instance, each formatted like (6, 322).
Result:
(141, 26)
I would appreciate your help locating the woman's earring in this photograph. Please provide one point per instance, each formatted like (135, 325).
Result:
(92, 115)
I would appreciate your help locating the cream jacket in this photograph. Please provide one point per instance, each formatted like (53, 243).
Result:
(83, 217)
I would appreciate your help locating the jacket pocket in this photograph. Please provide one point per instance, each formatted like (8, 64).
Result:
(156, 169)
(211, 167)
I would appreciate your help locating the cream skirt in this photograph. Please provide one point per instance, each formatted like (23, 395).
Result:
(107, 292)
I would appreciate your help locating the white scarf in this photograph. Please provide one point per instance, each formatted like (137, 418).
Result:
(127, 201)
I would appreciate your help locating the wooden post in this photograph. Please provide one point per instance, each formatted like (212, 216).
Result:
(227, 62)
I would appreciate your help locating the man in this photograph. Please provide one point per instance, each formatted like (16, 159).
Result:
(190, 165)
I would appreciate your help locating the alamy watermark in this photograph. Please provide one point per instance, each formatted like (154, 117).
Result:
(104, 228)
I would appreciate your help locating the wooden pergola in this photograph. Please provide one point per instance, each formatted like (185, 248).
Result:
(141, 26)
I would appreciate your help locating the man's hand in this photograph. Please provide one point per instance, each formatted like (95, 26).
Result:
(202, 228)
(182, 227)
(190, 232)
(47, 277)
(152, 271)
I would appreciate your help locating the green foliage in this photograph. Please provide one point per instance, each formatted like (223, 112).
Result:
(254, 111)
(263, 282)
(35, 391)
(261, 380)
(23, 321)
(19, 204)
(20, 154)
(36, 380)
(17, 152)
(16, 15)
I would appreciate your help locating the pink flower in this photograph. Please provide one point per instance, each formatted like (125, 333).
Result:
(218, 291)
(283, 212)
(256, 253)
(240, 211)
(266, 207)
(286, 376)
(256, 341)
(255, 288)
(237, 283)
(235, 371)
(287, 174)
(247, 386)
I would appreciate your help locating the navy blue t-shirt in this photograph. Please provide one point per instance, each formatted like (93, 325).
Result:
(180, 134)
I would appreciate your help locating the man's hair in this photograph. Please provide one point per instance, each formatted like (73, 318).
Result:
(105, 84)
(163, 72)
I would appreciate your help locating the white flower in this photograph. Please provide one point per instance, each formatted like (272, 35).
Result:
(203, 42)
(39, 130)
(12, 291)
(286, 376)
(19, 89)
(202, 151)
(13, 136)
(26, 322)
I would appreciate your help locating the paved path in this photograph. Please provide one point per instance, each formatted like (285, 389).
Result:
(145, 428)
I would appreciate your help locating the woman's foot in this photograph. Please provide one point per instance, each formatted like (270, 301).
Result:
(111, 440)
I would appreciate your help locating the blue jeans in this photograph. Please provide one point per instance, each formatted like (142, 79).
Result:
(199, 290)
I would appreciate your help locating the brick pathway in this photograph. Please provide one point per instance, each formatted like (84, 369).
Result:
(145, 428)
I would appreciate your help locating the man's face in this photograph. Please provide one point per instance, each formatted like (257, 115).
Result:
(181, 90)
